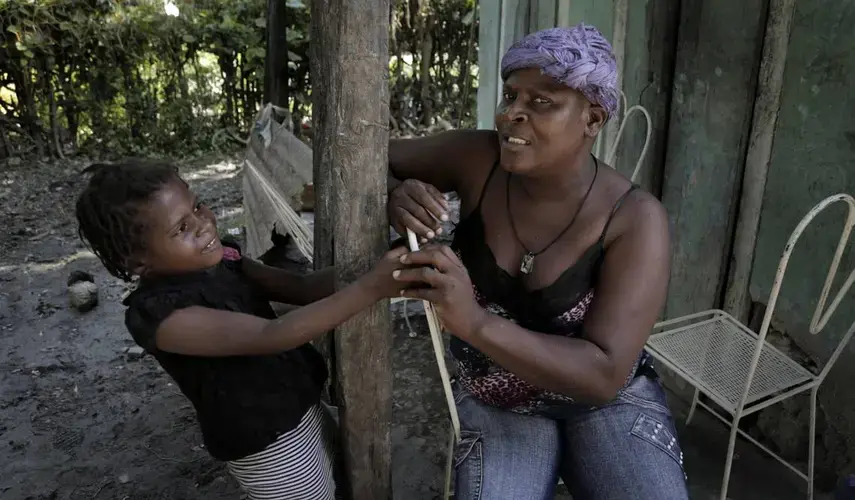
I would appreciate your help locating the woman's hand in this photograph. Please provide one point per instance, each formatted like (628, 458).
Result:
(418, 206)
(440, 278)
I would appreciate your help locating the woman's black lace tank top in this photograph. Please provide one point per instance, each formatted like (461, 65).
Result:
(242, 402)
(557, 309)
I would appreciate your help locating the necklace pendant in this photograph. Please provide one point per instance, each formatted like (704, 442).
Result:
(527, 263)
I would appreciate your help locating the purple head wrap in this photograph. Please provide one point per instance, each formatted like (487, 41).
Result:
(579, 57)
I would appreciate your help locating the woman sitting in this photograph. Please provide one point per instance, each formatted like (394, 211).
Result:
(557, 272)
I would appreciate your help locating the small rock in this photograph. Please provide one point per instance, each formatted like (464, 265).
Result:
(82, 291)
(124, 478)
(135, 352)
(77, 276)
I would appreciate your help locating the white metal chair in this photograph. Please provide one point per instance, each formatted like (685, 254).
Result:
(741, 372)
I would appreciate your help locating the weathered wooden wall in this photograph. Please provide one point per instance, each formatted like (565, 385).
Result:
(813, 157)
(712, 102)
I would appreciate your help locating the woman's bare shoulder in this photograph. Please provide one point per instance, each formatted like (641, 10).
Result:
(635, 210)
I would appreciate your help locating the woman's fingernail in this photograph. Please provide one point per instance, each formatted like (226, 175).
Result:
(443, 217)
(401, 292)
(403, 259)
(439, 231)
(423, 240)
(396, 273)
(431, 234)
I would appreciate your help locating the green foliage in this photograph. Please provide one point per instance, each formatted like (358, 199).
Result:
(122, 77)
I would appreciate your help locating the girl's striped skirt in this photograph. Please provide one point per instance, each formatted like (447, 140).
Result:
(297, 466)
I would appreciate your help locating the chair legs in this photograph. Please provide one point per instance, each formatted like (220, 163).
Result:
(734, 434)
(728, 464)
(812, 441)
(692, 409)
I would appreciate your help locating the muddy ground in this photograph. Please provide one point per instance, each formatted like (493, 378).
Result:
(80, 418)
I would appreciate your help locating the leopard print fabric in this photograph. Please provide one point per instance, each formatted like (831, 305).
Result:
(497, 387)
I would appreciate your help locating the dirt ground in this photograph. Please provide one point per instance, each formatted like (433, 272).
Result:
(80, 418)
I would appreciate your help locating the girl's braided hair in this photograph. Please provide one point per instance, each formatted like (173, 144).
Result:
(108, 210)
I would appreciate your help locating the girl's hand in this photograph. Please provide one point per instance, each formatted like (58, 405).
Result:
(418, 206)
(379, 281)
(440, 278)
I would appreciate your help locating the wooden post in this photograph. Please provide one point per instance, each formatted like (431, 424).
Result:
(759, 154)
(351, 116)
(609, 135)
(648, 80)
(713, 93)
(276, 62)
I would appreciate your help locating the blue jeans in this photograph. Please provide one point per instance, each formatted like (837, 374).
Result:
(625, 450)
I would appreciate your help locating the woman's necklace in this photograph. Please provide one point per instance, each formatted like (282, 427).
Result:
(527, 263)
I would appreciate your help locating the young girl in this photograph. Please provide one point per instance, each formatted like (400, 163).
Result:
(203, 312)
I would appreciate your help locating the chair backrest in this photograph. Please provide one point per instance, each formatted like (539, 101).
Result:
(821, 314)
(649, 131)
(612, 152)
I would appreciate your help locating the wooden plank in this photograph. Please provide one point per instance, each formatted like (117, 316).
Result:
(501, 24)
(618, 41)
(599, 13)
(351, 163)
(648, 78)
(513, 27)
(489, 14)
(542, 14)
(276, 60)
(766, 107)
(713, 97)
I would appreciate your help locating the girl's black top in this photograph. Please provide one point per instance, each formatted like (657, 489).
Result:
(243, 403)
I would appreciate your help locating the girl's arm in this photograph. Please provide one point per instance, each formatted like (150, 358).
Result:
(284, 286)
(201, 331)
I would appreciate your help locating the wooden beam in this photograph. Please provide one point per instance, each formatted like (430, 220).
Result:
(619, 28)
(542, 15)
(351, 105)
(713, 94)
(489, 33)
(766, 107)
(276, 60)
